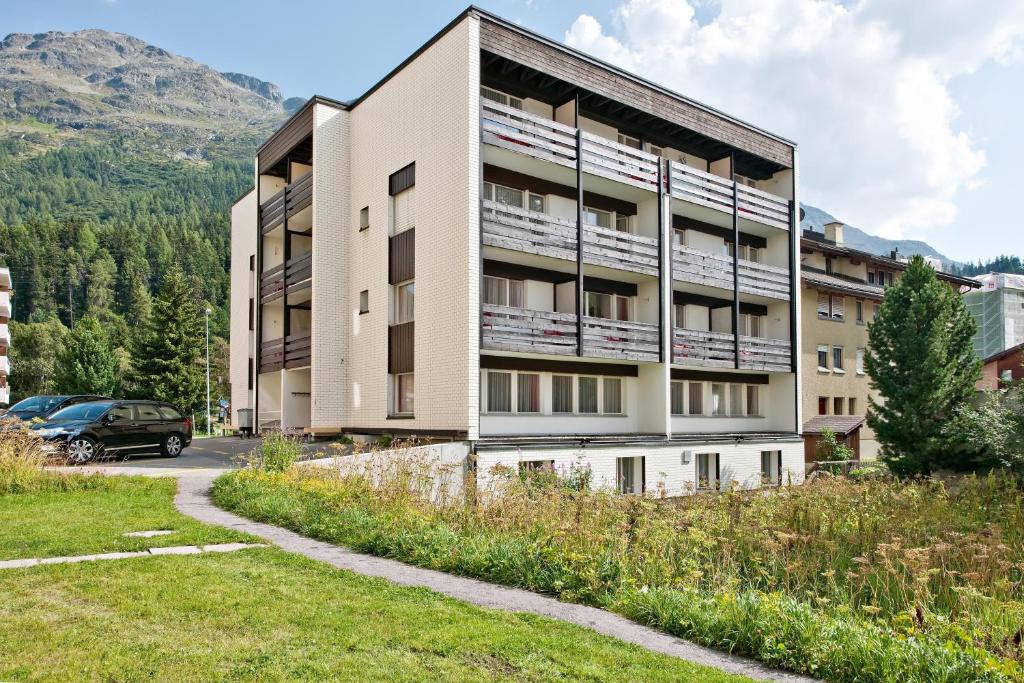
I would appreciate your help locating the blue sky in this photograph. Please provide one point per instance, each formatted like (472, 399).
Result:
(907, 124)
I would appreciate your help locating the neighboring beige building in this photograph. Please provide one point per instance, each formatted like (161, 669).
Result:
(842, 290)
(414, 263)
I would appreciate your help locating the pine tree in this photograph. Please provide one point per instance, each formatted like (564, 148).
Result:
(86, 364)
(167, 358)
(35, 347)
(921, 362)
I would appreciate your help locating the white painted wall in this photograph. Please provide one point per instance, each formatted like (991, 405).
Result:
(540, 296)
(242, 340)
(565, 297)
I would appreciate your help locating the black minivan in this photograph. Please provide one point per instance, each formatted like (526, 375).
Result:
(117, 429)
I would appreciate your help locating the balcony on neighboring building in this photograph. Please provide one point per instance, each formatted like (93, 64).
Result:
(516, 229)
(712, 270)
(703, 348)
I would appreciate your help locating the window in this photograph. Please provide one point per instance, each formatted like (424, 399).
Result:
(145, 411)
(860, 361)
(612, 390)
(837, 405)
(501, 291)
(528, 466)
(364, 301)
(717, 399)
(561, 394)
(405, 309)
(536, 203)
(679, 315)
(860, 312)
(122, 413)
(770, 461)
(871, 277)
(250, 373)
(499, 392)
(875, 309)
(851, 405)
(404, 394)
(678, 398)
(169, 413)
(629, 473)
(629, 141)
(678, 238)
(823, 357)
(624, 223)
(588, 395)
(735, 399)
(501, 98)
(656, 151)
(696, 396)
(403, 214)
(707, 471)
(823, 405)
(252, 262)
(252, 314)
(505, 195)
(751, 325)
(608, 306)
(364, 218)
(830, 306)
(753, 409)
(837, 359)
(597, 218)
(528, 393)
(828, 265)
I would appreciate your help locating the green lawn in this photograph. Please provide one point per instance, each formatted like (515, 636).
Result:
(259, 613)
(92, 516)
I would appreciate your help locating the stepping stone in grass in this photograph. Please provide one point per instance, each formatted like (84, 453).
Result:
(149, 534)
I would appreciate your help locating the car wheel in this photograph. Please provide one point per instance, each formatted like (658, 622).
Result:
(173, 445)
(81, 450)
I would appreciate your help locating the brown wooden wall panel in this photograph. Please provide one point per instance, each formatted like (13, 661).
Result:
(402, 257)
(522, 48)
(557, 366)
(401, 346)
(402, 179)
(297, 129)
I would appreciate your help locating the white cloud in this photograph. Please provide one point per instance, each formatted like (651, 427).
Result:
(862, 87)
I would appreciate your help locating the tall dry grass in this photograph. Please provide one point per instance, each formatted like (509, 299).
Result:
(887, 567)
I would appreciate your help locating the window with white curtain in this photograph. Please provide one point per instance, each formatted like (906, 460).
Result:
(679, 315)
(753, 408)
(597, 217)
(405, 302)
(403, 210)
(499, 392)
(561, 394)
(608, 306)
(612, 390)
(751, 325)
(860, 361)
(696, 398)
(588, 395)
(500, 97)
(500, 291)
(735, 399)
(678, 398)
(717, 399)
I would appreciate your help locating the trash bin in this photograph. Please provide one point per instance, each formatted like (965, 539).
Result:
(245, 422)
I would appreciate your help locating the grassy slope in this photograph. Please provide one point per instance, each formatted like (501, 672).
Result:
(259, 613)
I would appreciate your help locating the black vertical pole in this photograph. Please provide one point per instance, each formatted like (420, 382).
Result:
(579, 231)
(735, 262)
(662, 326)
(287, 317)
(794, 284)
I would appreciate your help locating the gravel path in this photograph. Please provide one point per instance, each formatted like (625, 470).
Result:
(193, 499)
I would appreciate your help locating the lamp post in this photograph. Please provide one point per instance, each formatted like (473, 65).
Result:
(209, 426)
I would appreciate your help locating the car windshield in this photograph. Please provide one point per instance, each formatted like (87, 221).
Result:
(82, 411)
(37, 404)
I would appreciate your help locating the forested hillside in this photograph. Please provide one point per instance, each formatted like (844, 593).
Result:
(1000, 264)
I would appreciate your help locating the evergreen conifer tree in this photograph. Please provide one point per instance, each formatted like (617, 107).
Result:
(167, 360)
(87, 364)
(921, 362)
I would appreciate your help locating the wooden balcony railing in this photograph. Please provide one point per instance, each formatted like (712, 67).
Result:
(518, 131)
(288, 202)
(506, 328)
(294, 351)
(716, 349)
(706, 189)
(714, 270)
(620, 339)
(536, 136)
(509, 227)
(297, 272)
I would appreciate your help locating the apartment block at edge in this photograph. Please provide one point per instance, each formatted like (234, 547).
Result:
(413, 262)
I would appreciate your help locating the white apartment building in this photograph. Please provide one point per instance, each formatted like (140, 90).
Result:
(512, 245)
(5, 334)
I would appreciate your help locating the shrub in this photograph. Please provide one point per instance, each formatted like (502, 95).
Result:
(279, 451)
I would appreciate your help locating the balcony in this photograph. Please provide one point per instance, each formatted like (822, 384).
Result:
(5, 365)
(5, 304)
(714, 192)
(291, 352)
(712, 270)
(715, 349)
(297, 273)
(535, 136)
(509, 227)
(5, 395)
(286, 203)
(5, 335)
(506, 328)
